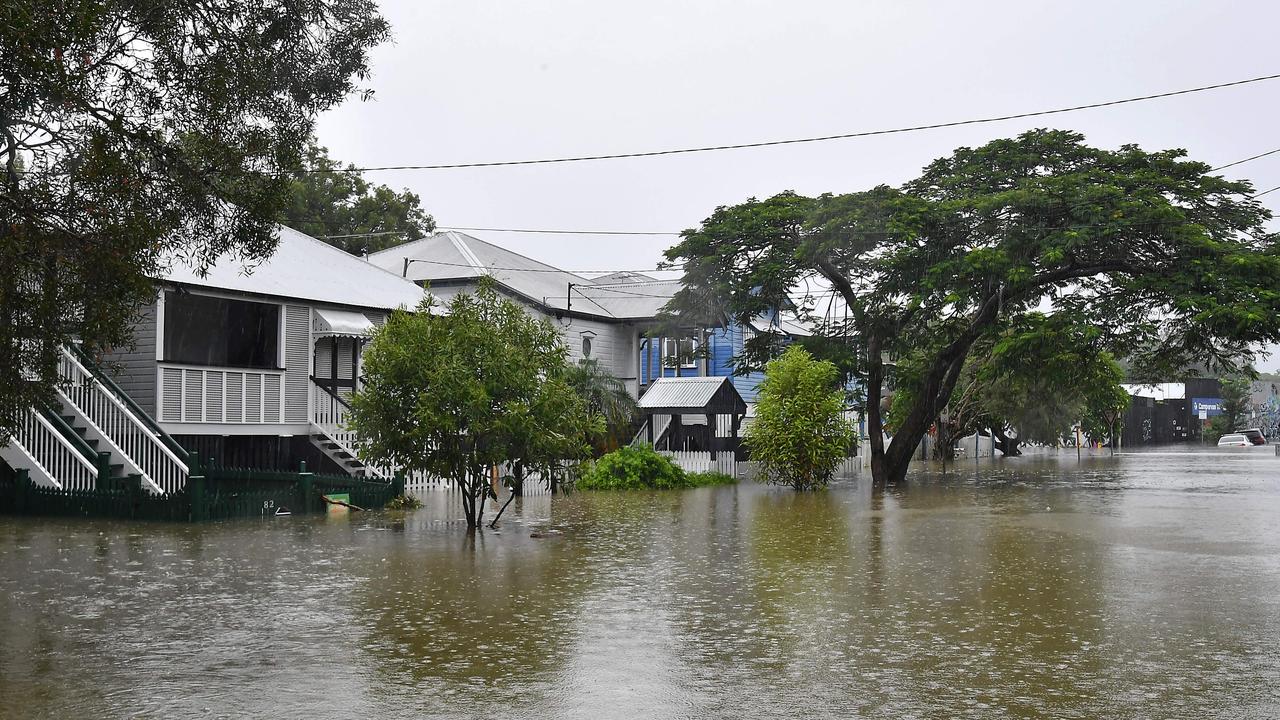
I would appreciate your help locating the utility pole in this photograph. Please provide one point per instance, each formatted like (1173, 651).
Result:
(405, 273)
(568, 299)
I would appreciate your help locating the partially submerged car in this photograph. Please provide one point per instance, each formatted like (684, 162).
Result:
(1234, 440)
(1253, 435)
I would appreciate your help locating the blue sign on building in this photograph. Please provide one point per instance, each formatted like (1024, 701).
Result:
(1211, 407)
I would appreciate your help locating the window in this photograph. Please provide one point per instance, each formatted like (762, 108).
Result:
(680, 352)
(586, 346)
(203, 330)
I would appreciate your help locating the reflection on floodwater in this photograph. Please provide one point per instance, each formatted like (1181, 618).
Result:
(1138, 586)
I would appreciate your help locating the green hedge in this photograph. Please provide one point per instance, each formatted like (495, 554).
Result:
(642, 468)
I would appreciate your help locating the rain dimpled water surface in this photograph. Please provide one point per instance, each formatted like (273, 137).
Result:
(1131, 587)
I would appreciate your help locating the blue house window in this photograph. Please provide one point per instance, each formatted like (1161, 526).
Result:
(204, 330)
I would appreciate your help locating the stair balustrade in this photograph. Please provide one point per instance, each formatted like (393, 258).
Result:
(51, 459)
(139, 442)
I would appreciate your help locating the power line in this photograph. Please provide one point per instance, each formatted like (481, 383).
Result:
(796, 141)
(542, 270)
(1264, 192)
(557, 232)
(1241, 162)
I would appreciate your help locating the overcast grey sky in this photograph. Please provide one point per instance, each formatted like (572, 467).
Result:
(481, 80)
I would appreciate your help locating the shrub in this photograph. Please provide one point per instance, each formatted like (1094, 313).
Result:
(710, 477)
(634, 468)
(403, 502)
(799, 435)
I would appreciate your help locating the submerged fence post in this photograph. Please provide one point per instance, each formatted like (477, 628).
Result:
(199, 503)
(104, 483)
(305, 486)
(21, 483)
(134, 494)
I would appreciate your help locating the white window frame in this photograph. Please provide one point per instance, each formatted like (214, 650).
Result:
(671, 350)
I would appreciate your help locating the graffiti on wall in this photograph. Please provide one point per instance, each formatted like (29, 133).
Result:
(1264, 412)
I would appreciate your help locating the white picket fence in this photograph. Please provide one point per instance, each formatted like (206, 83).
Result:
(700, 461)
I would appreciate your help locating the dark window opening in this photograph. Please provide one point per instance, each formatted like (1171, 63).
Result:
(203, 330)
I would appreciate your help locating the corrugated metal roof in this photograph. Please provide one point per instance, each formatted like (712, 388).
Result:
(454, 255)
(622, 276)
(305, 268)
(690, 392)
(631, 300)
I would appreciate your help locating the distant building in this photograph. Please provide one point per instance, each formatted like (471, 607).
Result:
(1165, 413)
(612, 319)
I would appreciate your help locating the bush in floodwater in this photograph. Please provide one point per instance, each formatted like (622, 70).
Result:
(642, 468)
(633, 468)
(710, 477)
(403, 502)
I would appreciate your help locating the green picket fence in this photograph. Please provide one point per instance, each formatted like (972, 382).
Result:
(212, 493)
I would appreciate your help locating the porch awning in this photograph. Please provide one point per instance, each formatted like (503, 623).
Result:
(341, 323)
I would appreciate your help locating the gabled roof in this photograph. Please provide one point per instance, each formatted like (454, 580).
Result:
(627, 300)
(305, 268)
(693, 395)
(453, 255)
(622, 276)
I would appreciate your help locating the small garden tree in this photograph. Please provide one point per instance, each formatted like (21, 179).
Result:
(799, 434)
(1235, 407)
(607, 398)
(454, 395)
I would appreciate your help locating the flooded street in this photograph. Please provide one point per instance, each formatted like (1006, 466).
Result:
(1132, 587)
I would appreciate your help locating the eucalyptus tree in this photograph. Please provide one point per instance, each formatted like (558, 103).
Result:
(134, 132)
(1170, 263)
(457, 393)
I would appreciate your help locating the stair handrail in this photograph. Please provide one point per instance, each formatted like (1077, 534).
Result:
(26, 443)
(332, 430)
(161, 468)
(139, 414)
(73, 438)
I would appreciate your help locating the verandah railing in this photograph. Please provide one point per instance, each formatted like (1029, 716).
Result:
(128, 430)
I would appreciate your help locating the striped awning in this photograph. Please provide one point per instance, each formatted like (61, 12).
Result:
(340, 323)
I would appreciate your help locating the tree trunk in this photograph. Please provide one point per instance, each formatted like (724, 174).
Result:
(875, 424)
(1006, 445)
(935, 390)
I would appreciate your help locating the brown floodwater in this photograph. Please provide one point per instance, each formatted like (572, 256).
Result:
(1140, 586)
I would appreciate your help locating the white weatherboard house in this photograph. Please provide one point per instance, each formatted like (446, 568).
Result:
(610, 318)
(605, 322)
(244, 366)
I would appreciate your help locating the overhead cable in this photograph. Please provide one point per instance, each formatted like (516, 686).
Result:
(796, 141)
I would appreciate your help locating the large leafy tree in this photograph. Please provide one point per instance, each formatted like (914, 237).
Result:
(1169, 262)
(339, 206)
(799, 434)
(1032, 382)
(456, 394)
(136, 133)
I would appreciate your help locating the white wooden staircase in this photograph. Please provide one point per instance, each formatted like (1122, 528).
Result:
(94, 433)
(330, 432)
